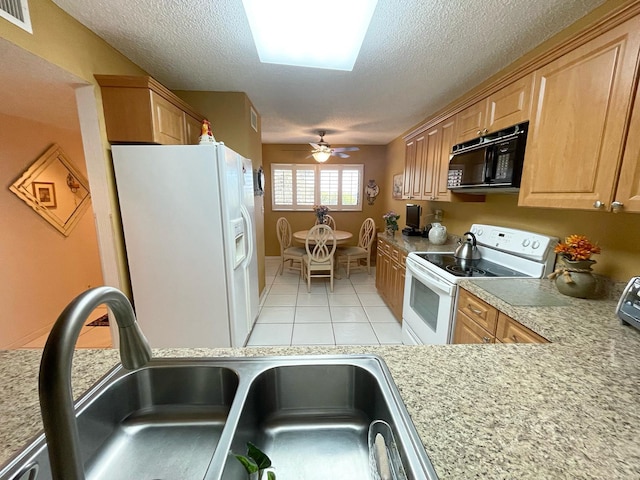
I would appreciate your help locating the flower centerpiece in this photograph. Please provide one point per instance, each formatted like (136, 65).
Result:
(574, 277)
(391, 221)
(321, 213)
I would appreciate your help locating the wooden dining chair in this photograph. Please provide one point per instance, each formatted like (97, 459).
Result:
(329, 220)
(290, 254)
(353, 255)
(320, 246)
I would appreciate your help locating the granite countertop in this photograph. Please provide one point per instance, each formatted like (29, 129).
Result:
(568, 409)
(419, 244)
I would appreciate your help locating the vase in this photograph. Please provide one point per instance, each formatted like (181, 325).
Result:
(321, 219)
(391, 232)
(575, 279)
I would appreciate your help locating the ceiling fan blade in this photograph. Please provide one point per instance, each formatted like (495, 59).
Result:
(346, 149)
(341, 155)
(315, 145)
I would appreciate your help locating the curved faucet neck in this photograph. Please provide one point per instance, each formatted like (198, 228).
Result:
(56, 396)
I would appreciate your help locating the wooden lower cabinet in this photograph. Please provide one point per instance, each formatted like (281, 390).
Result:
(390, 275)
(478, 322)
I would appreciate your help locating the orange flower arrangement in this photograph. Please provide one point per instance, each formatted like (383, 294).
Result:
(577, 247)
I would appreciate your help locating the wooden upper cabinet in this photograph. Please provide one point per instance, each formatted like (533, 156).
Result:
(628, 192)
(168, 122)
(138, 109)
(414, 159)
(471, 121)
(430, 163)
(507, 107)
(510, 105)
(577, 129)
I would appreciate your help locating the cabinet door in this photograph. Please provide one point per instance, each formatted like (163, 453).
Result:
(168, 121)
(578, 122)
(447, 140)
(468, 331)
(628, 192)
(470, 122)
(409, 167)
(510, 331)
(509, 106)
(193, 130)
(413, 168)
(430, 163)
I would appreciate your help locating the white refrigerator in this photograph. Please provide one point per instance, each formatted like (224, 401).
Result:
(188, 222)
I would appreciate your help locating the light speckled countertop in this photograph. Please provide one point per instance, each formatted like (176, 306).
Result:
(569, 409)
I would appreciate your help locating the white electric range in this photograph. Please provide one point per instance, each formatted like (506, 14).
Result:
(431, 279)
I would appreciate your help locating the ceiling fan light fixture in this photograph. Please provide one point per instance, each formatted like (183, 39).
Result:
(321, 156)
(282, 33)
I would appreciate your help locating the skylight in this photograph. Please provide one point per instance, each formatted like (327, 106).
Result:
(305, 33)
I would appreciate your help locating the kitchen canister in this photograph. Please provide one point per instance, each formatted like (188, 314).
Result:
(438, 234)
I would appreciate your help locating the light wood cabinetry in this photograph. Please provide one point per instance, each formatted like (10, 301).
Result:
(413, 161)
(390, 275)
(138, 109)
(478, 322)
(578, 124)
(510, 331)
(627, 193)
(427, 165)
(506, 107)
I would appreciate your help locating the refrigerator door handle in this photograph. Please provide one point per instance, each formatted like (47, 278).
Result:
(248, 232)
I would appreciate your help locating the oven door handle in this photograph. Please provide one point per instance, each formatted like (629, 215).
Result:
(429, 278)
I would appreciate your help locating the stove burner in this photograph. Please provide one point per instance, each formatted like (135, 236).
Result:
(459, 271)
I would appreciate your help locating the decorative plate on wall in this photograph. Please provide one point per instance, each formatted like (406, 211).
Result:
(55, 189)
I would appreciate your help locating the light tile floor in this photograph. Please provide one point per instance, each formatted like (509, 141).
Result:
(353, 314)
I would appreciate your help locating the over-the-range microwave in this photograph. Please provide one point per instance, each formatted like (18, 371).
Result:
(489, 164)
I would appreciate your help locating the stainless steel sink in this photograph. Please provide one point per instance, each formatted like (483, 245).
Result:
(179, 419)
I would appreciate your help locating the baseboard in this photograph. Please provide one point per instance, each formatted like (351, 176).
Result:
(28, 338)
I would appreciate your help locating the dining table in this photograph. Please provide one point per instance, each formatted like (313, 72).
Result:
(341, 237)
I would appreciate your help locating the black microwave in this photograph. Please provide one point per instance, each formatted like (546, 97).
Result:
(489, 164)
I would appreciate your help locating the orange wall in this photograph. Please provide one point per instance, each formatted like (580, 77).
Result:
(373, 158)
(41, 268)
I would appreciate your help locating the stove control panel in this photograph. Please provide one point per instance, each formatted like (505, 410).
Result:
(518, 242)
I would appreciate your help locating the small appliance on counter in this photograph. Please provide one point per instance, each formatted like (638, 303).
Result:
(412, 220)
(629, 304)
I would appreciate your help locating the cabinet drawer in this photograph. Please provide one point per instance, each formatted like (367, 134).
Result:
(510, 331)
(468, 331)
(479, 311)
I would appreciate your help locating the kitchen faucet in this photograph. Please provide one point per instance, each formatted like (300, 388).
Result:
(56, 397)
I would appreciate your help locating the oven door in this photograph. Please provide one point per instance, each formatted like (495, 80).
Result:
(427, 306)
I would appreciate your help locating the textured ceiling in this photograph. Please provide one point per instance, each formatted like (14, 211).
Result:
(417, 56)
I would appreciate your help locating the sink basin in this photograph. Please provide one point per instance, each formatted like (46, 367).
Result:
(179, 418)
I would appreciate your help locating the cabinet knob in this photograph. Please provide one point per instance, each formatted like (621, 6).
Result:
(485, 131)
(616, 206)
(486, 340)
(598, 204)
(479, 132)
(515, 339)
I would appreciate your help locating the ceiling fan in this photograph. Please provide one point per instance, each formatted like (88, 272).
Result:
(322, 150)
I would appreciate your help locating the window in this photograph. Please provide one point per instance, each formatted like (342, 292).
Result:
(300, 187)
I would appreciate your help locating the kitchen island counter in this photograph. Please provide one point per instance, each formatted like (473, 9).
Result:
(490, 412)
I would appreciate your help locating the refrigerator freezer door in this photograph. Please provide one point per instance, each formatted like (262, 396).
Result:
(253, 295)
(170, 202)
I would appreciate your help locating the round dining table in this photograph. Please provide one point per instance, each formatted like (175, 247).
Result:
(341, 236)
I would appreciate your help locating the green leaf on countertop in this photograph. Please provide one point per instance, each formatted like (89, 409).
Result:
(249, 464)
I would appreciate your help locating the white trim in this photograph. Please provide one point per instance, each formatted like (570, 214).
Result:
(24, 24)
